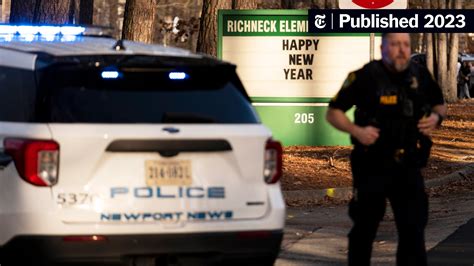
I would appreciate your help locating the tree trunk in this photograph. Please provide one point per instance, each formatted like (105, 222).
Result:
(40, 11)
(442, 62)
(419, 42)
(320, 4)
(302, 4)
(116, 19)
(429, 52)
(429, 44)
(109, 14)
(441, 55)
(332, 4)
(22, 11)
(72, 12)
(52, 11)
(452, 68)
(6, 7)
(140, 20)
(86, 12)
(244, 4)
(207, 39)
(453, 58)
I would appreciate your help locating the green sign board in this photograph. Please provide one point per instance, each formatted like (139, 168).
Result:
(290, 74)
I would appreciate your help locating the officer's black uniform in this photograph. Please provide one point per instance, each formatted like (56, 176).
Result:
(390, 168)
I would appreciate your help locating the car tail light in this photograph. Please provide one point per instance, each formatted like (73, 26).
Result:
(37, 161)
(273, 162)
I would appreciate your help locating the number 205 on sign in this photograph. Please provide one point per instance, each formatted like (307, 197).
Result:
(304, 118)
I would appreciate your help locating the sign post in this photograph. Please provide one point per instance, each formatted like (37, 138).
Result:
(372, 46)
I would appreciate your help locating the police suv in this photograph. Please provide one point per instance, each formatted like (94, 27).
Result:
(117, 151)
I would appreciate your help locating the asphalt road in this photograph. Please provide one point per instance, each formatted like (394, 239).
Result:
(457, 249)
(318, 235)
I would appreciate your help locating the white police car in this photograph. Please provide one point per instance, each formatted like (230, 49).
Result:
(129, 153)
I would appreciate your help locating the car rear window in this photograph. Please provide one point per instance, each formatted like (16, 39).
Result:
(17, 94)
(142, 93)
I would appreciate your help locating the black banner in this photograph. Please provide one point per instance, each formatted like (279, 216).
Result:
(399, 20)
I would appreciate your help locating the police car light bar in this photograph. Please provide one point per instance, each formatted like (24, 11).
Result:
(41, 30)
(177, 75)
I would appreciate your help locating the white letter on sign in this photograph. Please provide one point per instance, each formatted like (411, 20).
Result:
(343, 19)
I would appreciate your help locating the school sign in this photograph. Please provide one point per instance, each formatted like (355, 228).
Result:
(290, 74)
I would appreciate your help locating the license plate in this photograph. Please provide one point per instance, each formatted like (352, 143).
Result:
(168, 173)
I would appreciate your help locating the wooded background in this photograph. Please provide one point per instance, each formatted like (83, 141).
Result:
(191, 24)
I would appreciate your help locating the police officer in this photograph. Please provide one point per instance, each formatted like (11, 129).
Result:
(398, 105)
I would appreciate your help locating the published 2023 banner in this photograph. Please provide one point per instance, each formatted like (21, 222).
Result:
(413, 20)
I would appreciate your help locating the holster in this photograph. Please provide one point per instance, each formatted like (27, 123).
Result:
(424, 150)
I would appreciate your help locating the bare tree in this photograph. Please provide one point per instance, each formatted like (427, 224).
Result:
(22, 11)
(269, 4)
(442, 56)
(429, 53)
(453, 39)
(417, 40)
(5, 10)
(86, 11)
(429, 40)
(244, 4)
(442, 52)
(40, 11)
(302, 4)
(140, 20)
(110, 13)
(81, 12)
(207, 39)
(332, 4)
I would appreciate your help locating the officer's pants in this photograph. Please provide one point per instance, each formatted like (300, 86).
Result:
(374, 183)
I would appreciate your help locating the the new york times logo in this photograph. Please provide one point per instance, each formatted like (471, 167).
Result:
(367, 21)
(320, 21)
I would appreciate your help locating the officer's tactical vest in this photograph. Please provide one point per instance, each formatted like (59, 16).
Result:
(400, 106)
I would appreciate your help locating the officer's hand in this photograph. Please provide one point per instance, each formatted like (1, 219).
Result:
(366, 135)
(426, 125)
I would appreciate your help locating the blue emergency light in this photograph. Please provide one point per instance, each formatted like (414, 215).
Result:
(108, 74)
(43, 30)
(177, 75)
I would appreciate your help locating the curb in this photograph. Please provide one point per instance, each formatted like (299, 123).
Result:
(345, 193)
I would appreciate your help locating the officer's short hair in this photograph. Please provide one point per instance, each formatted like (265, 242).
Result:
(385, 35)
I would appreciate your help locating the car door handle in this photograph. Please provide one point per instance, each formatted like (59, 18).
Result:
(5, 160)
